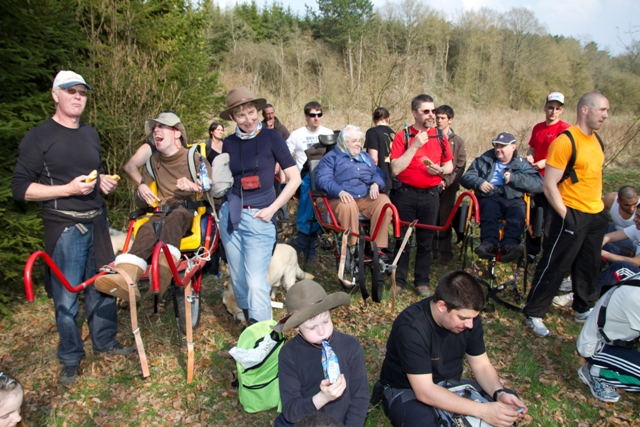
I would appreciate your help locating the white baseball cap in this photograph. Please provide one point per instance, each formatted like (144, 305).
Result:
(556, 96)
(65, 79)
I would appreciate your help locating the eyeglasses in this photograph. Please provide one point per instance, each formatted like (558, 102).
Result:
(313, 115)
(73, 91)
(427, 111)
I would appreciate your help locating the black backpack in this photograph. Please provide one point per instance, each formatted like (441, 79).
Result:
(569, 172)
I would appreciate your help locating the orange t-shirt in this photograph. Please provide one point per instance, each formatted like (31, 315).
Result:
(585, 195)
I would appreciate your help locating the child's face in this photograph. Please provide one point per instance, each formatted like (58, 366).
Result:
(10, 409)
(317, 329)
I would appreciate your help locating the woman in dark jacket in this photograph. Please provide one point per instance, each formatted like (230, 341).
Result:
(353, 183)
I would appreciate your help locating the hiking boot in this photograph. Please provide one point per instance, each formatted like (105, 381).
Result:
(566, 285)
(118, 350)
(399, 290)
(599, 389)
(536, 324)
(563, 300)
(68, 375)
(582, 317)
(511, 253)
(423, 291)
(486, 250)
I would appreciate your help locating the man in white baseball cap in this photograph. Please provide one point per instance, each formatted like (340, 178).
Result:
(55, 160)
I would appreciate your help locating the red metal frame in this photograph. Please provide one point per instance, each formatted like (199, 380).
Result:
(476, 212)
(210, 243)
(336, 226)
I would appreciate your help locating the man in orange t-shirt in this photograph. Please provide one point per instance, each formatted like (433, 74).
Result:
(579, 221)
(419, 158)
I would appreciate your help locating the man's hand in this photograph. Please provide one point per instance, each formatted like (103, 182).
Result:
(345, 197)
(185, 184)
(530, 159)
(374, 191)
(271, 124)
(540, 164)
(420, 139)
(507, 177)
(107, 184)
(501, 414)
(486, 186)
(329, 392)
(147, 195)
(433, 169)
(79, 186)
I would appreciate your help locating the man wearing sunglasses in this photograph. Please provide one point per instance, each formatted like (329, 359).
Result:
(500, 177)
(420, 155)
(55, 160)
(300, 140)
(542, 136)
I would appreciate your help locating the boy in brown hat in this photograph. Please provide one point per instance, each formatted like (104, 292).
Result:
(303, 387)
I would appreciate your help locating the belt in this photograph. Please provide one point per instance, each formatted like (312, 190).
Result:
(84, 215)
(419, 190)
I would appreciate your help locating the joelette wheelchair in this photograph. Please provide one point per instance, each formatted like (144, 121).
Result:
(196, 249)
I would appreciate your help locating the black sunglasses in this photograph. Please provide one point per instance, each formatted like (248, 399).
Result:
(427, 111)
(314, 115)
(73, 91)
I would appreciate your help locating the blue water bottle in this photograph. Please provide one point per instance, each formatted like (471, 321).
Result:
(204, 176)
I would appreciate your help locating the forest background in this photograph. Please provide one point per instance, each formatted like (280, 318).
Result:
(144, 56)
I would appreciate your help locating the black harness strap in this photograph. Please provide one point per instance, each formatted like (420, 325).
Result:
(569, 172)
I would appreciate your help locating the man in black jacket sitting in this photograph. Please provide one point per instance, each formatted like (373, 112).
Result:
(500, 178)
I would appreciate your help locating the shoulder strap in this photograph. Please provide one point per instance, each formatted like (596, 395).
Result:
(407, 135)
(569, 172)
(439, 135)
(149, 168)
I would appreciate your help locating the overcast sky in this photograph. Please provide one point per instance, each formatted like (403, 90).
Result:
(599, 20)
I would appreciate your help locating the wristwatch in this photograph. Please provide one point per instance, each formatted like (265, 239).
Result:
(503, 390)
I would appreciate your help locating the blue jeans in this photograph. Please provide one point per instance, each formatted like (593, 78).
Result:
(249, 250)
(74, 257)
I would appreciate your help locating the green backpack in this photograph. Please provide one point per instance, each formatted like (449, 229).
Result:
(258, 386)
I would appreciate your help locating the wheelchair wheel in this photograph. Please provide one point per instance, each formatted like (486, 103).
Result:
(178, 304)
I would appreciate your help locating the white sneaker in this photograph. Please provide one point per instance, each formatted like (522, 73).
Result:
(599, 389)
(563, 300)
(566, 285)
(537, 325)
(582, 317)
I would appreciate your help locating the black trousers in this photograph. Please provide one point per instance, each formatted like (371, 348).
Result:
(443, 239)
(404, 410)
(574, 244)
(423, 205)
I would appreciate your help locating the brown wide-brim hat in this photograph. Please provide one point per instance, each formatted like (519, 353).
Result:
(239, 96)
(307, 299)
(168, 119)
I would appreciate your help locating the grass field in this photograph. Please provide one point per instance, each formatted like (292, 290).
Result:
(111, 391)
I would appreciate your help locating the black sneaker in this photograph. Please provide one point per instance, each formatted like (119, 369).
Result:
(511, 253)
(68, 375)
(486, 250)
(118, 350)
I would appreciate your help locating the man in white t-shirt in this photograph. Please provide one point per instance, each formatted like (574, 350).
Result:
(609, 346)
(299, 140)
(304, 137)
(621, 265)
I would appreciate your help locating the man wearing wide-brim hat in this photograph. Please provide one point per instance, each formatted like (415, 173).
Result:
(247, 215)
(176, 191)
(304, 389)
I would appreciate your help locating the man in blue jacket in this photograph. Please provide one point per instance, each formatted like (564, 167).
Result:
(500, 177)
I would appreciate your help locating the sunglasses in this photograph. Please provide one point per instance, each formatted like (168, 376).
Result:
(73, 91)
(313, 115)
(427, 111)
